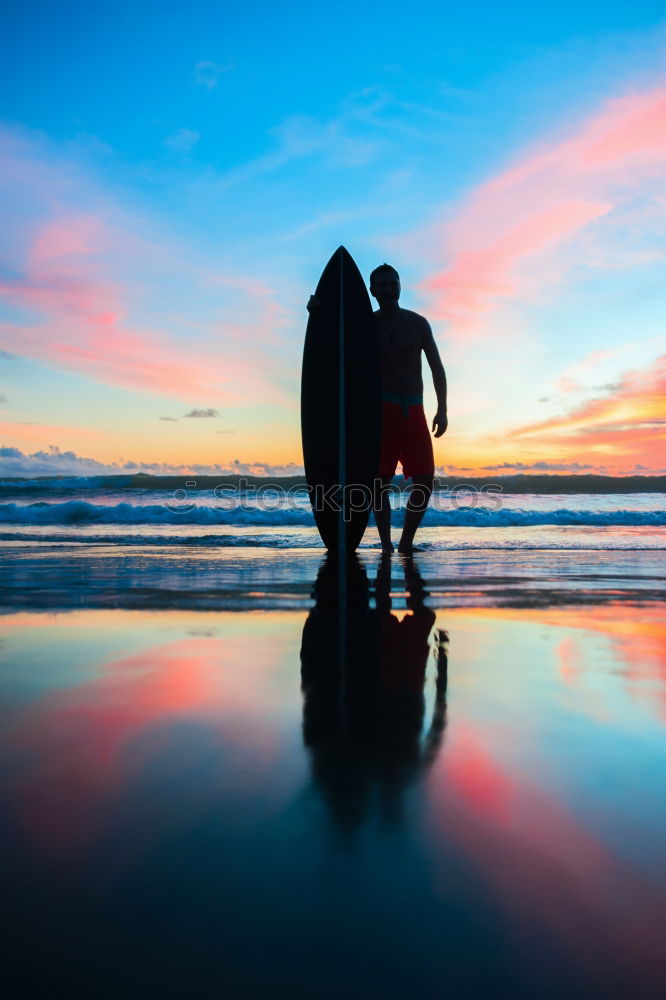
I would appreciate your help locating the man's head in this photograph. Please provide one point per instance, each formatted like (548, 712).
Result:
(385, 285)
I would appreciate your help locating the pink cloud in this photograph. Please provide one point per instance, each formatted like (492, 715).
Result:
(569, 379)
(566, 384)
(83, 273)
(480, 276)
(520, 220)
(60, 239)
(629, 129)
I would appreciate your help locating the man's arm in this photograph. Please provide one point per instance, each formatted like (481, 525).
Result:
(441, 421)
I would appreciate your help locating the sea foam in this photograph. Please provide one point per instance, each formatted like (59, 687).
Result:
(80, 512)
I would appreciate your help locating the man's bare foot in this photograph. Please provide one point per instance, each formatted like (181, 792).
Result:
(408, 549)
(388, 549)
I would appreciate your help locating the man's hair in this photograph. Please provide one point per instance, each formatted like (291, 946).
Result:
(380, 270)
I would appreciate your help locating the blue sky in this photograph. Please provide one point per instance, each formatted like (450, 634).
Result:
(176, 176)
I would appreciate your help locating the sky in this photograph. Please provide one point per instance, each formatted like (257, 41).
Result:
(175, 177)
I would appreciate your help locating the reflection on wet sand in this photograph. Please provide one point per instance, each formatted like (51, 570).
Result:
(363, 672)
(155, 838)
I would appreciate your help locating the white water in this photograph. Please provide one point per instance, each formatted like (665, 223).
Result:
(66, 511)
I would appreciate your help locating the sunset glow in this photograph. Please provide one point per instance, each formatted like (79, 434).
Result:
(159, 245)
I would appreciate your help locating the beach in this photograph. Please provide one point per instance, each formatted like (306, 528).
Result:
(452, 786)
(262, 270)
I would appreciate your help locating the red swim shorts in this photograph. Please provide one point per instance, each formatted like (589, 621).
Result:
(405, 439)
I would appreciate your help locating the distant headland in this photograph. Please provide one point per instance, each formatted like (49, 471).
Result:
(521, 483)
(509, 484)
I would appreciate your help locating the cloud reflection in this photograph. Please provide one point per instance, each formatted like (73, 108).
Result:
(82, 746)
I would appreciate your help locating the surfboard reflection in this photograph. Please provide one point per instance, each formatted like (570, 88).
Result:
(363, 671)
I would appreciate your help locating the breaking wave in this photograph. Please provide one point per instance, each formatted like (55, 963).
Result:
(79, 512)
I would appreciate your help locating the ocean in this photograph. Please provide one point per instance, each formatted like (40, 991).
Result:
(97, 541)
(90, 511)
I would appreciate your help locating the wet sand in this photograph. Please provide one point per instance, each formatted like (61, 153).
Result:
(61, 576)
(215, 784)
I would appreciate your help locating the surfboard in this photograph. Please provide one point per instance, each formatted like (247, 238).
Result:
(341, 404)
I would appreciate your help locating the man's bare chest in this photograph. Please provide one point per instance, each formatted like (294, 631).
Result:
(399, 339)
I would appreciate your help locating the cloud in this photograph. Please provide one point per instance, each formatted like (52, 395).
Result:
(54, 462)
(569, 380)
(170, 419)
(515, 232)
(624, 425)
(207, 73)
(210, 412)
(637, 400)
(84, 270)
(86, 332)
(182, 141)
(259, 468)
(34, 431)
(567, 385)
(607, 387)
(301, 136)
(479, 277)
(572, 467)
(3, 399)
(340, 142)
(85, 235)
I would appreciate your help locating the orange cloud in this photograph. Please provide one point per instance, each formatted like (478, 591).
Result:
(624, 425)
(545, 200)
(29, 432)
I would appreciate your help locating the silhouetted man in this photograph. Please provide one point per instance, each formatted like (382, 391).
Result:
(404, 336)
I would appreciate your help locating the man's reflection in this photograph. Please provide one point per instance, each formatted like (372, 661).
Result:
(363, 672)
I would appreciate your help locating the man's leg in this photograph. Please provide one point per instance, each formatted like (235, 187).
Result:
(382, 508)
(419, 498)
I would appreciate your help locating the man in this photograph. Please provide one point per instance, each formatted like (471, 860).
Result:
(404, 335)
